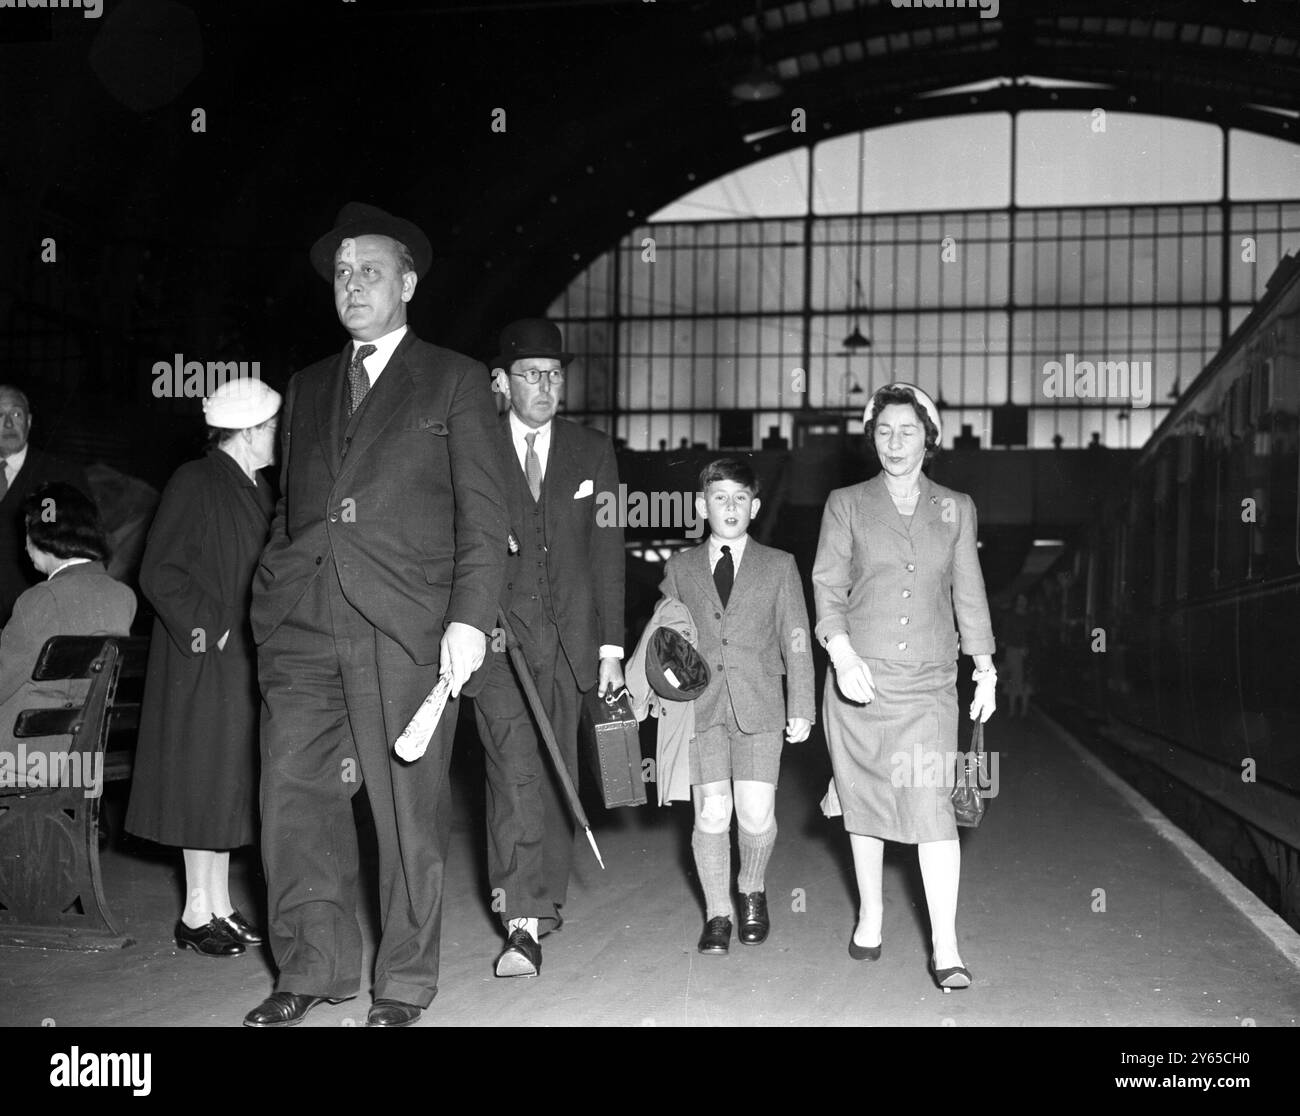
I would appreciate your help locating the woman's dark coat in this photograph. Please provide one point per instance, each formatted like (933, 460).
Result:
(196, 769)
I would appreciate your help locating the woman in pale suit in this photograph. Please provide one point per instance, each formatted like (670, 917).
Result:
(895, 561)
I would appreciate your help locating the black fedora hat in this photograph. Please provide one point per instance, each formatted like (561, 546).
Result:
(530, 337)
(360, 219)
(674, 669)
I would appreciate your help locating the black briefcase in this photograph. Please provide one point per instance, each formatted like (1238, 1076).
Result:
(612, 741)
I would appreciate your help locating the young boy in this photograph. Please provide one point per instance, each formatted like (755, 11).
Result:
(748, 607)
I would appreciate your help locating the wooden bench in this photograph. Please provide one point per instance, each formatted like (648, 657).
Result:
(51, 893)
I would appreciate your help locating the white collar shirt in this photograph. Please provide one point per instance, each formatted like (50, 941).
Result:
(541, 444)
(12, 464)
(64, 565)
(737, 551)
(377, 361)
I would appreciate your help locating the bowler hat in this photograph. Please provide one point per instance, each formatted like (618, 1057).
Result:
(674, 668)
(360, 219)
(530, 337)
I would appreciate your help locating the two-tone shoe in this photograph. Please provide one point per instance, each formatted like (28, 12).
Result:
(958, 976)
(522, 956)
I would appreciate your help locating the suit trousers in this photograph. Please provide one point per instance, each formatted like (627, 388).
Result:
(530, 829)
(336, 692)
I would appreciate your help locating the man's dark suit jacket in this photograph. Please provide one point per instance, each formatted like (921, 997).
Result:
(413, 517)
(17, 574)
(584, 559)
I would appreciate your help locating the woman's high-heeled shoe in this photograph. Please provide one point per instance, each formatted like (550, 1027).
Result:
(211, 940)
(239, 928)
(956, 977)
(863, 953)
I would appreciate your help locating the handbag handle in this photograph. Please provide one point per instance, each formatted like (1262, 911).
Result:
(977, 738)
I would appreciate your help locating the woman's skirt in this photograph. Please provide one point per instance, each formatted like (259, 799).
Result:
(895, 757)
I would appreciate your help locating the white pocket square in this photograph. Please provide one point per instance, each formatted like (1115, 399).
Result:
(586, 488)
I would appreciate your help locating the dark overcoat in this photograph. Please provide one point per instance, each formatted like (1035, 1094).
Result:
(196, 770)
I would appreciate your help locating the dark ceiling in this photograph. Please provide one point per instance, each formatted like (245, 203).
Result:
(170, 237)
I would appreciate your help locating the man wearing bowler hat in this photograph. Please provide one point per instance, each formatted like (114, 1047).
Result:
(382, 573)
(563, 597)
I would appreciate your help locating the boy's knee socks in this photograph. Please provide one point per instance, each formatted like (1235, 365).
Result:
(713, 864)
(755, 852)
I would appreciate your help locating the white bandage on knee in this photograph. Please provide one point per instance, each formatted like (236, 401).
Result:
(716, 808)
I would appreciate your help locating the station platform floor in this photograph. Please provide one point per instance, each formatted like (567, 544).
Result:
(1079, 906)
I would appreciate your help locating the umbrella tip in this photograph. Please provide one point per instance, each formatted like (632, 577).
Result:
(592, 841)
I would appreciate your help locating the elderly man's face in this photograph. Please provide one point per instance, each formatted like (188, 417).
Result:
(15, 423)
(370, 289)
(533, 404)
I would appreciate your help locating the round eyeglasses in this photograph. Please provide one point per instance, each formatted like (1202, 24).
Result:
(534, 375)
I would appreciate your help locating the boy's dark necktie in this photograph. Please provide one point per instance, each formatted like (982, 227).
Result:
(358, 378)
(724, 575)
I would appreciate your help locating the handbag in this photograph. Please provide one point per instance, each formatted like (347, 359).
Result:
(967, 799)
(612, 739)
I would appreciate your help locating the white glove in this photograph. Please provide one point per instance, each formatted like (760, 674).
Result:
(852, 675)
(986, 702)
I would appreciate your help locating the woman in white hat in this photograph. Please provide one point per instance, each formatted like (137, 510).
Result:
(196, 768)
(895, 562)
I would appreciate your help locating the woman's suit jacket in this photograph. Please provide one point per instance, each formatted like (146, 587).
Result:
(895, 591)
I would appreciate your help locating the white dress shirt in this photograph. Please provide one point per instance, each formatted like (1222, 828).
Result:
(542, 443)
(377, 361)
(737, 551)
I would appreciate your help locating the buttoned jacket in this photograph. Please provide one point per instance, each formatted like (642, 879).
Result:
(760, 635)
(405, 501)
(581, 555)
(910, 593)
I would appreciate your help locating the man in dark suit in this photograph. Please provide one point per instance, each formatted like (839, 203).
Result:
(382, 573)
(24, 469)
(564, 600)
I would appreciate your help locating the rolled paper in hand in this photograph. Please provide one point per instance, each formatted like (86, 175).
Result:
(416, 736)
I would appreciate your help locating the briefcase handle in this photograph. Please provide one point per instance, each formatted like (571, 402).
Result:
(612, 698)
